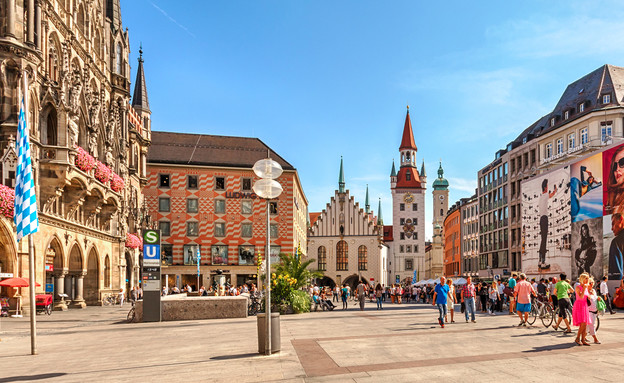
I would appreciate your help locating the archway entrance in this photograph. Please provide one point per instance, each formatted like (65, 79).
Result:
(75, 277)
(92, 279)
(326, 281)
(353, 281)
(7, 257)
(129, 280)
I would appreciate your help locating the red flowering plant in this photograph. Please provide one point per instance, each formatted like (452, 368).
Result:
(7, 201)
(102, 172)
(84, 161)
(117, 183)
(133, 241)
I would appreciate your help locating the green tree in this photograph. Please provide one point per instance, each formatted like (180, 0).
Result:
(294, 267)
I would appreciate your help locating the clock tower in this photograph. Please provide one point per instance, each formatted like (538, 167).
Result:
(440, 208)
(408, 187)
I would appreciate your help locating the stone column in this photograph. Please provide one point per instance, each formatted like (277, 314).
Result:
(38, 24)
(79, 300)
(59, 284)
(31, 23)
(10, 18)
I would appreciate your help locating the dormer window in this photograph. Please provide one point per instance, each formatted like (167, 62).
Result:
(581, 108)
(552, 121)
(606, 98)
(408, 176)
(566, 114)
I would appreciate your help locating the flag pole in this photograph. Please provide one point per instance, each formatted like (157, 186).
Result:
(31, 246)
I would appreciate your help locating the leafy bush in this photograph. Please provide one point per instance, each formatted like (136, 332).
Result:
(300, 301)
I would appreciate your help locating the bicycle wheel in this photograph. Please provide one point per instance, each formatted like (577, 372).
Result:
(597, 325)
(532, 315)
(130, 317)
(547, 315)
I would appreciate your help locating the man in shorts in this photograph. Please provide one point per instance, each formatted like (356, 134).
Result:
(563, 290)
(512, 301)
(522, 293)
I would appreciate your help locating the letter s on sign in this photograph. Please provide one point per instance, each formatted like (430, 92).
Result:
(151, 236)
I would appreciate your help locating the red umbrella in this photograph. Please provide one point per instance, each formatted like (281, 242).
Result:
(16, 282)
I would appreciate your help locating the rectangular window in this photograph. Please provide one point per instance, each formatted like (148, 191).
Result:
(606, 99)
(192, 205)
(165, 228)
(166, 254)
(274, 231)
(191, 182)
(246, 230)
(246, 184)
(219, 229)
(581, 108)
(606, 131)
(402, 207)
(219, 254)
(164, 180)
(566, 114)
(560, 146)
(246, 255)
(483, 261)
(190, 254)
(273, 207)
(219, 206)
(408, 248)
(401, 221)
(584, 136)
(548, 152)
(164, 204)
(401, 249)
(275, 252)
(409, 264)
(402, 235)
(219, 183)
(571, 141)
(246, 207)
(192, 229)
(415, 221)
(552, 121)
(414, 207)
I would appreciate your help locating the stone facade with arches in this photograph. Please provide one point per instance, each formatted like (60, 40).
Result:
(347, 241)
(74, 54)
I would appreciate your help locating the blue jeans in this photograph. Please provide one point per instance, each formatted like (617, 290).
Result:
(470, 306)
(442, 310)
(379, 302)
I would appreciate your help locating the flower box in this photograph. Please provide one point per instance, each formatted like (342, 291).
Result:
(84, 161)
(102, 173)
(7, 201)
(117, 183)
(133, 241)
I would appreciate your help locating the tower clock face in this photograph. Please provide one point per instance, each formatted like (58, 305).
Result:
(441, 197)
(408, 198)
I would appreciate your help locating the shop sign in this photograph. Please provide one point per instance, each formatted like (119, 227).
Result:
(49, 288)
(240, 195)
(6, 275)
(49, 267)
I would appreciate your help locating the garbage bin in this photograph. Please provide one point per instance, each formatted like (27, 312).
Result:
(276, 343)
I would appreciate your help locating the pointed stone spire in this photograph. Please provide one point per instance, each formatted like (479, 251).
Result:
(422, 170)
(341, 179)
(393, 172)
(139, 99)
(407, 142)
(366, 204)
(379, 215)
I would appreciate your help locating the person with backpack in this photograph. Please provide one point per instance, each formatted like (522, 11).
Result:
(344, 295)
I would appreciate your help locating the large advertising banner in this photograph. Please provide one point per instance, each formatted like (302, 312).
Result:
(586, 188)
(587, 253)
(546, 224)
(613, 175)
(614, 246)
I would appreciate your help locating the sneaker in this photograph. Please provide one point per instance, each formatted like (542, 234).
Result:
(474, 321)
(440, 322)
(521, 323)
(466, 320)
(524, 324)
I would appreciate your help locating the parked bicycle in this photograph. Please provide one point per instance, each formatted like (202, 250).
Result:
(540, 308)
(254, 305)
(109, 299)
(132, 313)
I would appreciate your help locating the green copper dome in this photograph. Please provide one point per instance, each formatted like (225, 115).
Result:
(440, 183)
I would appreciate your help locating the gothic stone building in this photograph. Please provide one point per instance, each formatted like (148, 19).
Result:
(74, 54)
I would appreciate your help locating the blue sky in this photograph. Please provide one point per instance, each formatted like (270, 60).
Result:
(317, 80)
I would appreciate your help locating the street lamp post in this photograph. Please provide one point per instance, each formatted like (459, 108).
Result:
(268, 188)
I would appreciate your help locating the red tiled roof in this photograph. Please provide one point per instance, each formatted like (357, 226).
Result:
(402, 181)
(407, 142)
(314, 217)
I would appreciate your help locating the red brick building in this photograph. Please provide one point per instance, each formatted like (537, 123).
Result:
(199, 190)
(452, 242)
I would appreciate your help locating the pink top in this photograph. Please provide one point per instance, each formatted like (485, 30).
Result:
(523, 289)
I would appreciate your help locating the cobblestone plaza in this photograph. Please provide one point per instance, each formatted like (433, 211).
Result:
(400, 343)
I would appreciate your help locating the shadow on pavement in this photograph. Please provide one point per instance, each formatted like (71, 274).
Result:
(239, 356)
(29, 378)
(552, 347)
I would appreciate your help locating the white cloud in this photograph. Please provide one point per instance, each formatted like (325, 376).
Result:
(463, 184)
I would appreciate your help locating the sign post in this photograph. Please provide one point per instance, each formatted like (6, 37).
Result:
(151, 276)
(198, 262)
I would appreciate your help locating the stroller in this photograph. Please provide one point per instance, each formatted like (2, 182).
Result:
(4, 307)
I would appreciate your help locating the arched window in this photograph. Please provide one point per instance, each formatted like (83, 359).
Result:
(362, 258)
(441, 212)
(107, 272)
(322, 258)
(81, 20)
(51, 128)
(118, 59)
(342, 256)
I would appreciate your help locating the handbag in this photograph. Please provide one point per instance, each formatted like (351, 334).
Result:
(463, 307)
(601, 306)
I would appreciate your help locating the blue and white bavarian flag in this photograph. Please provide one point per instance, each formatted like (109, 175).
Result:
(26, 220)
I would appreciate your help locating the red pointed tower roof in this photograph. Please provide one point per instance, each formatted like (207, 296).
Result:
(407, 142)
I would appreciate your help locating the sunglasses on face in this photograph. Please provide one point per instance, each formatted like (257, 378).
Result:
(619, 164)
